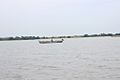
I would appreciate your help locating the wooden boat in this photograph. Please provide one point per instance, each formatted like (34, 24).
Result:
(51, 41)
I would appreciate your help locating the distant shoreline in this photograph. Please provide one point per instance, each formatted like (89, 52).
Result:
(58, 37)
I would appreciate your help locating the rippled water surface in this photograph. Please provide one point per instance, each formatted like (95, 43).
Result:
(74, 59)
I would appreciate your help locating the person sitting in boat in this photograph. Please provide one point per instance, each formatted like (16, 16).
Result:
(51, 40)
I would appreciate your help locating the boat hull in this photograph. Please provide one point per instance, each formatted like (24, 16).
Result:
(46, 42)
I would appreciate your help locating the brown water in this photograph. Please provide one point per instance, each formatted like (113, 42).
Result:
(74, 59)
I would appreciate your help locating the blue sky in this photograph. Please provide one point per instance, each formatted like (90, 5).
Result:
(58, 17)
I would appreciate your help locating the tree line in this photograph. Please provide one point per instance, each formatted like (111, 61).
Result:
(44, 37)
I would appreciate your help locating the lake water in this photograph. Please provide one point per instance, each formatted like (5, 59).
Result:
(74, 59)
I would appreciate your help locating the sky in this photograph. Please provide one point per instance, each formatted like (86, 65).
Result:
(58, 17)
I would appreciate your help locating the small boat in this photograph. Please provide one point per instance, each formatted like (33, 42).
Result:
(51, 41)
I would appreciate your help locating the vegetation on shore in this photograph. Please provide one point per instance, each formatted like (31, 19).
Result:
(74, 36)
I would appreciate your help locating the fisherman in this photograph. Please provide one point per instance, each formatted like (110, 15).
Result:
(51, 40)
